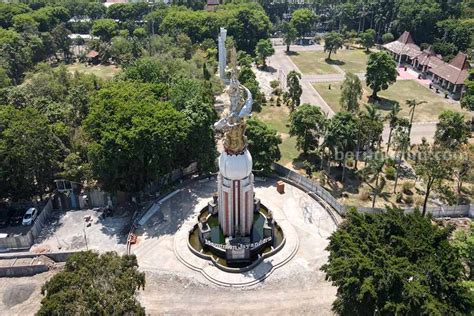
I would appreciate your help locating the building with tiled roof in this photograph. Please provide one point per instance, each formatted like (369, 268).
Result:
(426, 60)
(403, 49)
(448, 77)
(451, 76)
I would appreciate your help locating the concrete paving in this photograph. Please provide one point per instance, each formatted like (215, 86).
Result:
(297, 286)
(162, 244)
(69, 231)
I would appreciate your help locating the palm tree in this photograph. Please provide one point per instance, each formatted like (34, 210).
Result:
(401, 143)
(412, 104)
(393, 120)
(371, 172)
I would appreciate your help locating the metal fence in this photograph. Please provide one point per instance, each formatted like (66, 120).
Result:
(25, 241)
(314, 187)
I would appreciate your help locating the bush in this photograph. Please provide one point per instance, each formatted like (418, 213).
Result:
(407, 187)
(277, 91)
(390, 162)
(408, 199)
(390, 173)
(274, 84)
(364, 195)
(317, 39)
(387, 38)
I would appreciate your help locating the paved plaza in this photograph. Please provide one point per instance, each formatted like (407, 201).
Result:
(293, 276)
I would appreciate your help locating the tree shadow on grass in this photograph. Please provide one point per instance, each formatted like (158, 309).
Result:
(291, 53)
(383, 104)
(336, 62)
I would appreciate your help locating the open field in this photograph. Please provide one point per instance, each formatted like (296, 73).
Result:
(101, 71)
(398, 92)
(315, 63)
(276, 117)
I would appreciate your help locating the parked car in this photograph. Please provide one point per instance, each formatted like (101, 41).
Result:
(4, 235)
(30, 216)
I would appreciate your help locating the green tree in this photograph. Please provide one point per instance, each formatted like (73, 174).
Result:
(467, 101)
(463, 241)
(392, 118)
(307, 123)
(387, 38)
(433, 167)
(401, 144)
(374, 165)
(289, 35)
(367, 39)
(105, 29)
(384, 263)
(134, 137)
(121, 50)
(263, 50)
(452, 131)
(94, 284)
(303, 20)
(351, 93)
(29, 152)
(263, 144)
(294, 88)
(15, 54)
(61, 40)
(381, 72)
(412, 104)
(340, 138)
(332, 42)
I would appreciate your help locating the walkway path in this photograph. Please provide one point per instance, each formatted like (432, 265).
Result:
(282, 65)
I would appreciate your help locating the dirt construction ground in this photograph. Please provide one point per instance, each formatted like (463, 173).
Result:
(22, 296)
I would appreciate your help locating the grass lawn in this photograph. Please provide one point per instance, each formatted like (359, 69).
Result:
(314, 62)
(351, 60)
(101, 71)
(276, 117)
(398, 92)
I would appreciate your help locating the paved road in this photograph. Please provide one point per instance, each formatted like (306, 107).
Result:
(283, 65)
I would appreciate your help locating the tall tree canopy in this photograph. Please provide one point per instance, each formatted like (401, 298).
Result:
(96, 285)
(263, 145)
(303, 21)
(332, 42)
(307, 123)
(393, 263)
(29, 152)
(452, 131)
(135, 138)
(381, 72)
(351, 93)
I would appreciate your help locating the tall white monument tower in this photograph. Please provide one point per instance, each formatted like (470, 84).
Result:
(235, 178)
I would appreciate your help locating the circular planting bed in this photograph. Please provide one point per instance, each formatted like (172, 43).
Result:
(265, 240)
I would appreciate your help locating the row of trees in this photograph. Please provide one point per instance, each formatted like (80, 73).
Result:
(433, 21)
(36, 32)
